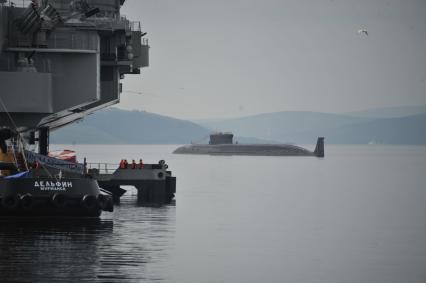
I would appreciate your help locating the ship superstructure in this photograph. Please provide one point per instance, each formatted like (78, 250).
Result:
(60, 60)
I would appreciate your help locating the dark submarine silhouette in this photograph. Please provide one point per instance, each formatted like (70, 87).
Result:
(222, 144)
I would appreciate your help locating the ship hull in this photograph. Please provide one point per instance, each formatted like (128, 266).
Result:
(52, 197)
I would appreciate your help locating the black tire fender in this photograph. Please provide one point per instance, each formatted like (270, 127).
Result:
(10, 201)
(89, 201)
(105, 202)
(27, 201)
(59, 200)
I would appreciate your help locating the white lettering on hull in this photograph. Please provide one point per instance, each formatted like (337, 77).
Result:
(53, 186)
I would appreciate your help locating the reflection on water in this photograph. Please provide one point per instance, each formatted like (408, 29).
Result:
(37, 249)
(358, 215)
(117, 247)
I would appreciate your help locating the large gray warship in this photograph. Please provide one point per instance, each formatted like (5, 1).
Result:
(61, 60)
(222, 144)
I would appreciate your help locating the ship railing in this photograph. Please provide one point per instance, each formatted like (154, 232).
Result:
(108, 23)
(14, 3)
(72, 42)
(135, 26)
(103, 168)
(18, 3)
(112, 23)
(64, 41)
(129, 25)
(110, 168)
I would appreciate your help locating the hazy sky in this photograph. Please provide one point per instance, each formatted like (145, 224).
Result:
(227, 58)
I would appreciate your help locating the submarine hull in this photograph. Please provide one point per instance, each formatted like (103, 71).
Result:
(252, 149)
(236, 149)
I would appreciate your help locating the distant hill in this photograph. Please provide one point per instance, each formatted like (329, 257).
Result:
(115, 126)
(404, 130)
(305, 127)
(390, 112)
(291, 127)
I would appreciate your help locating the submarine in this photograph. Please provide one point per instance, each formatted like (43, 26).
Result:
(222, 144)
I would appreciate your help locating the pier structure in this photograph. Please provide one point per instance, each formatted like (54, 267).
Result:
(154, 183)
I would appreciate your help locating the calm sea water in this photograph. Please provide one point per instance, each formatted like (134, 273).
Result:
(358, 215)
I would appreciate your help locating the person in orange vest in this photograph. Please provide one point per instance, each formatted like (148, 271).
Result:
(140, 164)
(122, 164)
(125, 164)
(133, 164)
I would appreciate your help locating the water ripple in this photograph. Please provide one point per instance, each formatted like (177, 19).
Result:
(118, 247)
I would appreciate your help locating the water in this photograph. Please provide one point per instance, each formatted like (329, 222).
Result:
(358, 215)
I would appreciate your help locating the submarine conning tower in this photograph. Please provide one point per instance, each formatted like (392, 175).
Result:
(61, 60)
(221, 138)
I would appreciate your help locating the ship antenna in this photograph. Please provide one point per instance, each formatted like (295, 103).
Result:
(21, 141)
(8, 114)
(47, 171)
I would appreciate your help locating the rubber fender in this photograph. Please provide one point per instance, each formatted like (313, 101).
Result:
(89, 201)
(109, 205)
(27, 201)
(102, 199)
(105, 203)
(59, 200)
(10, 201)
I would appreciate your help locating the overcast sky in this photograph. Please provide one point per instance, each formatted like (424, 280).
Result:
(227, 58)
